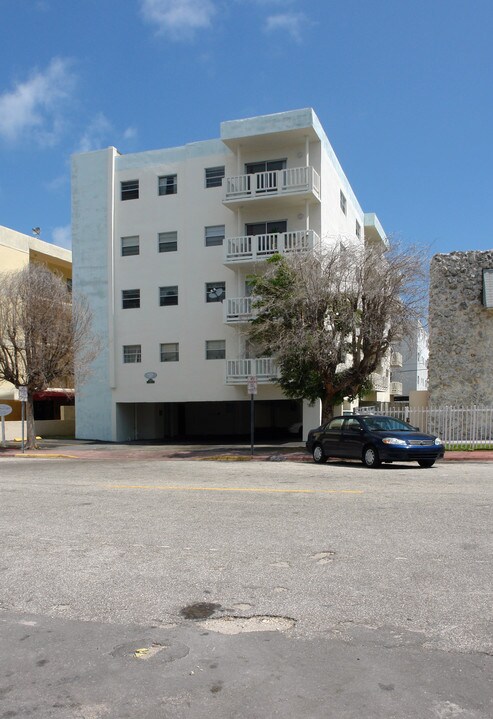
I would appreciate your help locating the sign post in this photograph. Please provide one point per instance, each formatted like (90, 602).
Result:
(23, 399)
(5, 409)
(252, 391)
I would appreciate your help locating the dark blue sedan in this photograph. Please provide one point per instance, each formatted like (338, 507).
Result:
(373, 439)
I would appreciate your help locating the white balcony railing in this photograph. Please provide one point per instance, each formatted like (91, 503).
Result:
(395, 359)
(251, 248)
(239, 370)
(379, 382)
(293, 180)
(238, 309)
(396, 388)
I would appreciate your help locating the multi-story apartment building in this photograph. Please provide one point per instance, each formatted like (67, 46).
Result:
(18, 250)
(413, 374)
(164, 242)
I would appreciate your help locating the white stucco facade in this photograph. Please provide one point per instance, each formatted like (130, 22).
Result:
(282, 186)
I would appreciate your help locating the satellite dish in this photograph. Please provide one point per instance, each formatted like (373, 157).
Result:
(150, 377)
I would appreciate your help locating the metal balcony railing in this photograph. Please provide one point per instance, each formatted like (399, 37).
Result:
(238, 309)
(380, 383)
(252, 248)
(396, 388)
(289, 181)
(395, 359)
(239, 370)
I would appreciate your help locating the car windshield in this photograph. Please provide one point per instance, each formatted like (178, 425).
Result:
(386, 424)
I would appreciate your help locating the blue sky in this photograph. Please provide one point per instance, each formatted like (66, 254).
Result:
(403, 89)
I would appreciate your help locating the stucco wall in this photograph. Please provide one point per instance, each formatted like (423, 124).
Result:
(461, 331)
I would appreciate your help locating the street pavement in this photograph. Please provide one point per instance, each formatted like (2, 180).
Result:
(234, 589)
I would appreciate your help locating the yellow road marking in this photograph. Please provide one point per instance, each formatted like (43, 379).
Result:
(236, 489)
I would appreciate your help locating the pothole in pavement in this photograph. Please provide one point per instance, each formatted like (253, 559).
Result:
(233, 624)
(257, 623)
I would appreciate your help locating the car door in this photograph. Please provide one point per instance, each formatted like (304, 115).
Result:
(331, 438)
(352, 438)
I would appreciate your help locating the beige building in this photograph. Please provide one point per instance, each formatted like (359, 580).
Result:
(16, 251)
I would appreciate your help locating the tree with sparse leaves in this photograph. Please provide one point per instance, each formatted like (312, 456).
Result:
(329, 317)
(43, 333)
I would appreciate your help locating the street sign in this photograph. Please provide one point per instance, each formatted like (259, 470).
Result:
(252, 385)
(5, 410)
(23, 393)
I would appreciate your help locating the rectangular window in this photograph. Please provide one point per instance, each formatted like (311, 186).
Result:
(167, 185)
(132, 354)
(130, 190)
(215, 349)
(168, 241)
(170, 352)
(130, 246)
(266, 228)
(358, 230)
(214, 235)
(130, 299)
(488, 288)
(343, 201)
(168, 296)
(214, 176)
(215, 291)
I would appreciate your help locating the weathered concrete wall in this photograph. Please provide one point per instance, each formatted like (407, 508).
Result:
(461, 331)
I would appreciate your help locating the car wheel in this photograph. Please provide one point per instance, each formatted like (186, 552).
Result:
(426, 462)
(370, 457)
(318, 455)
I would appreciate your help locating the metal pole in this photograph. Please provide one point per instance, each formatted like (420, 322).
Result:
(4, 444)
(23, 404)
(252, 422)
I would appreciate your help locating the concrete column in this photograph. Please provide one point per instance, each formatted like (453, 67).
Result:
(312, 416)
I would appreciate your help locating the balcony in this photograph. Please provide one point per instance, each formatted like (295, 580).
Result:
(238, 309)
(298, 182)
(379, 382)
(396, 388)
(395, 359)
(263, 368)
(253, 248)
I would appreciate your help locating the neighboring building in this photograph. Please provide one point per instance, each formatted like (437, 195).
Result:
(461, 329)
(164, 242)
(17, 251)
(413, 371)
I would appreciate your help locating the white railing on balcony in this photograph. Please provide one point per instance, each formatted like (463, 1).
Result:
(238, 309)
(395, 359)
(239, 370)
(293, 180)
(379, 382)
(257, 247)
(396, 388)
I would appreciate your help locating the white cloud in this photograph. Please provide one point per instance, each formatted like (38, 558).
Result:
(291, 23)
(130, 133)
(34, 107)
(179, 18)
(62, 236)
(96, 134)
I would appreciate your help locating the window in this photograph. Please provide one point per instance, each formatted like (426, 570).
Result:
(168, 295)
(267, 228)
(343, 201)
(130, 190)
(488, 288)
(214, 235)
(168, 241)
(170, 352)
(167, 185)
(358, 230)
(132, 354)
(253, 168)
(214, 176)
(215, 291)
(130, 246)
(215, 349)
(130, 299)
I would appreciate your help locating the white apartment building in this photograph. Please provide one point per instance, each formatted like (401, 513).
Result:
(163, 244)
(414, 351)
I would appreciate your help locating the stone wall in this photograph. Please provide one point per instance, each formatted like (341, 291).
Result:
(461, 331)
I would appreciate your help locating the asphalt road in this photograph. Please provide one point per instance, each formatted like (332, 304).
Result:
(323, 591)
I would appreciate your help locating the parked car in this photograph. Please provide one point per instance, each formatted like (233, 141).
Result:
(373, 439)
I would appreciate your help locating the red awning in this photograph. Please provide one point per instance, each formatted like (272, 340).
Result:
(54, 394)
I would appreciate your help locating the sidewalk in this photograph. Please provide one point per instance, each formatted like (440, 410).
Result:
(286, 451)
